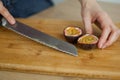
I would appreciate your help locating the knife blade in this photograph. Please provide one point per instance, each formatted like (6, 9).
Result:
(40, 37)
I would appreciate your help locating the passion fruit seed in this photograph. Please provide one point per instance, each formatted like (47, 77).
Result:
(88, 39)
(72, 31)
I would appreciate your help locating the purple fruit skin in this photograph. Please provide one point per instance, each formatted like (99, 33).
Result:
(87, 46)
(72, 39)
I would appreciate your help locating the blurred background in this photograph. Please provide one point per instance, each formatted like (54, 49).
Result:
(111, 1)
(71, 9)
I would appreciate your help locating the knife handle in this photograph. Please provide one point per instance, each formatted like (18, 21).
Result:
(1, 19)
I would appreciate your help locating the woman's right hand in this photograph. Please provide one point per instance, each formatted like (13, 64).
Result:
(5, 13)
(92, 13)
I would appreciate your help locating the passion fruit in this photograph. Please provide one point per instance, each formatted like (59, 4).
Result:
(87, 41)
(72, 33)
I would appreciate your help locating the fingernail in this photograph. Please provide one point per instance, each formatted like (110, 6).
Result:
(13, 21)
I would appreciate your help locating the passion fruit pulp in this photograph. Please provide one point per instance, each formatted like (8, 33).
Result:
(87, 41)
(72, 33)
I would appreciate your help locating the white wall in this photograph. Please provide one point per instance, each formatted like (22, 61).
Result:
(112, 1)
(57, 1)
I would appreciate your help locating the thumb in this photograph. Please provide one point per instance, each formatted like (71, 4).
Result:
(4, 12)
(87, 23)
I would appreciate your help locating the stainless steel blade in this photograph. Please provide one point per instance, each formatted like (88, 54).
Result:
(41, 37)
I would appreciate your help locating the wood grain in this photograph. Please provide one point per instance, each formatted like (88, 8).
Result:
(18, 53)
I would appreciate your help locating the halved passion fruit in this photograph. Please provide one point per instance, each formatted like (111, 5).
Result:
(72, 33)
(87, 41)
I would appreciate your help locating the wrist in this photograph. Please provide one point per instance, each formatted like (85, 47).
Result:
(87, 3)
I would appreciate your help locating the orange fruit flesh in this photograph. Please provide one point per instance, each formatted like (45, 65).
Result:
(72, 31)
(88, 39)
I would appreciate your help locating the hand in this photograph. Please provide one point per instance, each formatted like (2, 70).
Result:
(4, 12)
(92, 12)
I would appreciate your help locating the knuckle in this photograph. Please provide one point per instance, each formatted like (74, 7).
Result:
(116, 31)
(105, 14)
(107, 28)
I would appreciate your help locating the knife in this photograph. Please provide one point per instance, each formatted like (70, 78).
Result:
(40, 37)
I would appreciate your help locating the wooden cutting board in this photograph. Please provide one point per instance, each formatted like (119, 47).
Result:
(18, 53)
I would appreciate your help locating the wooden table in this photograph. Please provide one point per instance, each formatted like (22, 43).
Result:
(70, 10)
(62, 11)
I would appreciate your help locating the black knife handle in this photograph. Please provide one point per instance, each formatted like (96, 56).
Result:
(1, 19)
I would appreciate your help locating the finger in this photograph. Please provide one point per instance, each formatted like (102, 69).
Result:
(104, 36)
(106, 29)
(87, 23)
(113, 37)
(4, 12)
